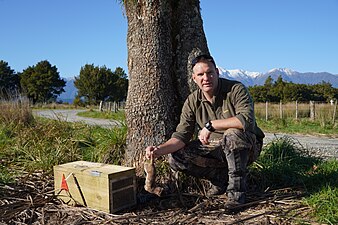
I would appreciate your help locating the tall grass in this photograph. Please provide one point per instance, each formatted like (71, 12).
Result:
(323, 122)
(39, 144)
(284, 163)
(48, 143)
(16, 111)
(322, 110)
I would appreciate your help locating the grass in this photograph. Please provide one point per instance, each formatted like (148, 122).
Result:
(48, 143)
(283, 163)
(28, 144)
(323, 122)
(325, 205)
(16, 111)
(301, 126)
(119, 115)
(39, 144)
(41, 106)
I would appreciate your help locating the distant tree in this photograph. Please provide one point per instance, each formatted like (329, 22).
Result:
(121, 85)
(268, 82)
(297, 92)
(269, 87)
(42, 82)
(288, 91)
(278, 89)
(324, 91)
(259, 93)
(9, 80)
(264, 93)
(96, 84)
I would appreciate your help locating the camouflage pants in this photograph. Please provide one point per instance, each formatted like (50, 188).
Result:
(223, 162)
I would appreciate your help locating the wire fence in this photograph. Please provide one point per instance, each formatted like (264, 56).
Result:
(111, 106)
(297, 110)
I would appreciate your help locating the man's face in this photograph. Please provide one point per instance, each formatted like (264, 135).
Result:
(205, 76)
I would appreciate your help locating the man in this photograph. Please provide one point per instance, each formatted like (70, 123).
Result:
(228, 141)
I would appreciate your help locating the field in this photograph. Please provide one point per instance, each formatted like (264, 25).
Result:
(287, 184)
(289, 118)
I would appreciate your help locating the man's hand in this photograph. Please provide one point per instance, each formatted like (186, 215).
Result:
(151, 152)
(204, 136)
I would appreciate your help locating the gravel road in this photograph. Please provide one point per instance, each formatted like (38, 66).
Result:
(71, 116)
(319, 145)
(326, 147)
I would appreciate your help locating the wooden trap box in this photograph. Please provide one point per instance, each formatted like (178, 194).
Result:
(99, 186)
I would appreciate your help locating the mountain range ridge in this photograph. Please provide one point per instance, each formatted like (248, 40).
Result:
(246, 77)
(256, 78)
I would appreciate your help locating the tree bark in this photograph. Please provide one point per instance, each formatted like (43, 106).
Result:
(163, 37)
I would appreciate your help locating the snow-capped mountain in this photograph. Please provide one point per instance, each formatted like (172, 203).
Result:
(256, 78)
(246, 77)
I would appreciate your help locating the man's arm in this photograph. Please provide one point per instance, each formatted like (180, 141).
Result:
(222, 124)
(170, 146)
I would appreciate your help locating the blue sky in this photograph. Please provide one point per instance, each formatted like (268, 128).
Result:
(242, 34)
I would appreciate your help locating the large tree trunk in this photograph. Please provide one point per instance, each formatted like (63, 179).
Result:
(163, 36)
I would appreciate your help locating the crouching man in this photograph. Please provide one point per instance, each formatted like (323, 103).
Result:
(228, 141)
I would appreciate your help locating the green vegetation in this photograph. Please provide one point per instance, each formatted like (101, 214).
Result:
(47, 143)
(39, 144)
(119, 115)
(287, 91)
(302, 126)
(97, 84)
(284, 164)
(9, 80)
(32, 144)
(323, 122)
(289, 125)
(42, 82)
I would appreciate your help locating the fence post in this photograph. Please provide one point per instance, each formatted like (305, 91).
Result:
(334, 112)
(281, 109)
(115, 110)
(312, 110)
(100, 107)
(266, 111)
(296, 110)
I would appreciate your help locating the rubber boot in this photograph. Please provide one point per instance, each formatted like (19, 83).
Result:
(237, 165)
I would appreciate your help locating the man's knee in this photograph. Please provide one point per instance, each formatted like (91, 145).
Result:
(237, 139)
(232, 131)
